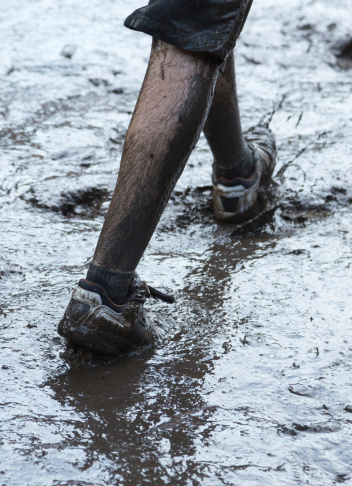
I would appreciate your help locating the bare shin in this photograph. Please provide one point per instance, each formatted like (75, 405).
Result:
(171, 110)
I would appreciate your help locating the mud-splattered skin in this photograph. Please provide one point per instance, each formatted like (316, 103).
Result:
(253, 385)
(170, 113)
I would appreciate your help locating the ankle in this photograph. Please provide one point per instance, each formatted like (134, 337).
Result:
(243, 168)
(117, 284)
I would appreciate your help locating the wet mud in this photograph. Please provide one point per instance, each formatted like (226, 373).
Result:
(252, 386)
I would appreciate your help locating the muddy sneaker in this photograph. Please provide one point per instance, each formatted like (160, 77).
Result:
(94, 322)
(237, 200)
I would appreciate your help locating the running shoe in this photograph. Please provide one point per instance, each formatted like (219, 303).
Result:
(93, 321)
(236, 200)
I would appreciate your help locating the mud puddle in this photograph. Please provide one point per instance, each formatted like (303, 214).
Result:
(253, 384)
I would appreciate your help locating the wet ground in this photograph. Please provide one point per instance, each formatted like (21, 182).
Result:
(253, 384)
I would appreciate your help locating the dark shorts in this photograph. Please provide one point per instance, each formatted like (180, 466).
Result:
(194, 25)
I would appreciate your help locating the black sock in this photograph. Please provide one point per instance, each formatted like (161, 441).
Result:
(116, 284)
(244, 168)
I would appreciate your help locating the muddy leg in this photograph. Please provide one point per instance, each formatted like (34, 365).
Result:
(170, 113)
(223, 129)
(241, 170)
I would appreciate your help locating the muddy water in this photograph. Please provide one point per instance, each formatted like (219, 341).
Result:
(253, 384)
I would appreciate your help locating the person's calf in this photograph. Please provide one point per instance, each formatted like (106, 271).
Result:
(170, 113)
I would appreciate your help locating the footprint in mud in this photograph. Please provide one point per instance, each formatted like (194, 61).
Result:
(85, 202)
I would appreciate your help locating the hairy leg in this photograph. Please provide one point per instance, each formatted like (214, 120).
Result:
(171, 110)
(223, 128)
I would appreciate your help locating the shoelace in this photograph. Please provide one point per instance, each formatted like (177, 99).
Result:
(152, 292)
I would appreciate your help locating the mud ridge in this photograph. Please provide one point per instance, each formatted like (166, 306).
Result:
(84, 202)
